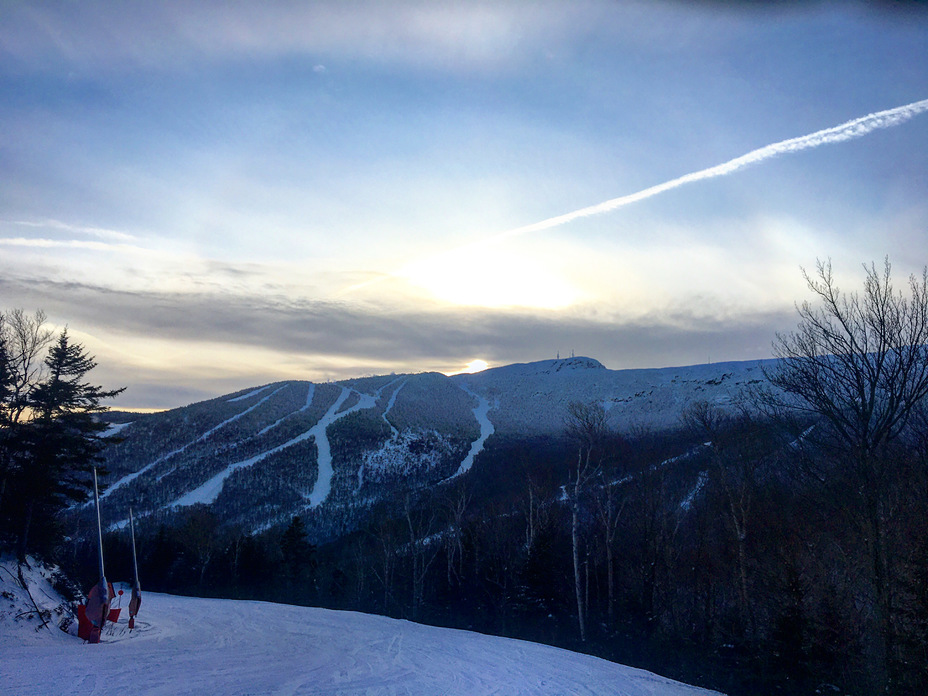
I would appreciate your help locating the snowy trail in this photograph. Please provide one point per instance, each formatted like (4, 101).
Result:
(209, 491)
(390, 404)
(253, 392)
(197, 646)
(701, 480)
(304, 407)
(324, 480)
(481, 411)
(131, 477)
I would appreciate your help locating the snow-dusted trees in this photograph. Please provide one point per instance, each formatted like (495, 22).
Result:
(49, 434)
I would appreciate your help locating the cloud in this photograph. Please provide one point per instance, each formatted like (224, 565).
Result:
(117, 35)
(850, 130)
(99, 232)
(212, 342)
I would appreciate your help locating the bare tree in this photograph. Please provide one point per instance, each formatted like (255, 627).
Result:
(23, 340)
(608, 510)
(422, 549)
(455, 504)
(859, 362)
(739, 443)
(586, 427)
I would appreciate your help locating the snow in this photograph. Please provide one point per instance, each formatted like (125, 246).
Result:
(701, 481)
(390, 405)
(114, 428)
(187, 645)
(481, 411)
(126, 479)
(208, 492)
(532, 398)
(324, 479)
(305, 407)
(250, 394)
(395, 458)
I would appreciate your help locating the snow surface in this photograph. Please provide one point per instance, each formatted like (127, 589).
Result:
(324, 478)
(481, 412)
(186, 645)
(532, 398)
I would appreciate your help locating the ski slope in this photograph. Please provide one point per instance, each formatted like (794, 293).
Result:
(207, 646)
(481, 411)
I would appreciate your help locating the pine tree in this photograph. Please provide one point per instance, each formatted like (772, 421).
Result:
(59, 444)
(299, 557)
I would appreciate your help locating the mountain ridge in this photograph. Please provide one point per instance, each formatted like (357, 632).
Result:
(329, 451)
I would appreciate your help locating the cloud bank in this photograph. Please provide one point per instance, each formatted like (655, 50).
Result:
(318, 340)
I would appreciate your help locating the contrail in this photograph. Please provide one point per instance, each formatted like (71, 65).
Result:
(856, 128)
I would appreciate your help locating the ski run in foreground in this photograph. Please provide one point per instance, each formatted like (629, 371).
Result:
(185, 645)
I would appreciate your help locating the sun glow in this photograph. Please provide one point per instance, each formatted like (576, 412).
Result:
(510, 278)
(476, 366)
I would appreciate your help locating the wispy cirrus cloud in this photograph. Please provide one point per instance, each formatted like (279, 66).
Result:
(447, 36)
(431, 272)
(99, 232)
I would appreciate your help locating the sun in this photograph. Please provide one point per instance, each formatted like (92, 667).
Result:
(475, 366)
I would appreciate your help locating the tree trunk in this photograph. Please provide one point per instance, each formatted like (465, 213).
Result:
(610, 579)
(881, 584)
(575, 542)
(24, 538)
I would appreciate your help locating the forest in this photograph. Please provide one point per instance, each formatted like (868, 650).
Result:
(797, 563)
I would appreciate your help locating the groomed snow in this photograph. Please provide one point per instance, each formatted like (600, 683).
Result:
(481, 411)
(197, 646)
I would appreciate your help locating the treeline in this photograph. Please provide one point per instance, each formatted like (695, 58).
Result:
(727, 567)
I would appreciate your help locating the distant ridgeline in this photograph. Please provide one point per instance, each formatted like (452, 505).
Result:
(329, 452)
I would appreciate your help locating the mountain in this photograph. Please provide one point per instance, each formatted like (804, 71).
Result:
(185, 645)
(329, 452)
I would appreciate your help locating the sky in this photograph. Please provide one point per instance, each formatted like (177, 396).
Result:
(212, 196)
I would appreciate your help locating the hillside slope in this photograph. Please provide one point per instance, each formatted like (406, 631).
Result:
(328, 452)
(186, 645)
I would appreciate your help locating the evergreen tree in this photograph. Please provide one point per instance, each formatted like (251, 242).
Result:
(299, 557)
(58, 444)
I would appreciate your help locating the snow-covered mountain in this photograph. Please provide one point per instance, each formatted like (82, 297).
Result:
(185, 645)
(329, 451)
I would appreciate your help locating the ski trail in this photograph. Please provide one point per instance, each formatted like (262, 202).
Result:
(701, 480)
(209, 491)
(390, 406)
(305, 407)
(221, 425)
(131, 477)
(394, 433)
(323, 485)
(249, 394)
(486, 429)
